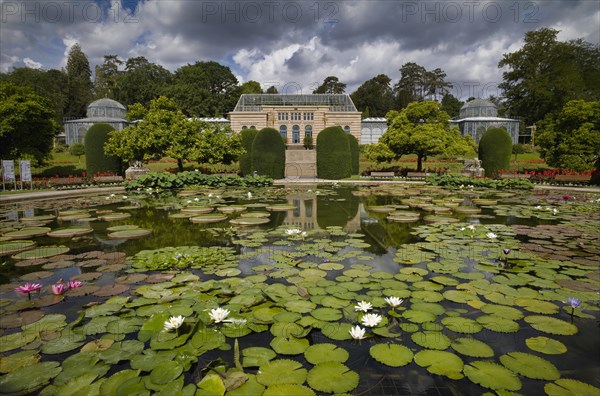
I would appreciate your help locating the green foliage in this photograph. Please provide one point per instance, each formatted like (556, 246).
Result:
(378, 152)
(571, 139)
(106, 83)
(331, 85)
(457, 181)
(79, 83)
(451, 105)
(247, 136)
(308, 142)
(354, 152)
(545, 74)
(141, 81)
(376, 95)
(27, 124)
(168, 181)
(334, 159)
(95, 159)
(418, 83)
(268, 154)
(422, 128)
(77, 149)
(495, 148)
(251, 87)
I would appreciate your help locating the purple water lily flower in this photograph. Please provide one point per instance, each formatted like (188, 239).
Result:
(574, 302)
(506, 251)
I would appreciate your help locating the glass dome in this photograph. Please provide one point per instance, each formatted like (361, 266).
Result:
(479, 108)
(106, 108)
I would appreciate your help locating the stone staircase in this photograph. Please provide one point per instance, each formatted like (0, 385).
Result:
(301, 163)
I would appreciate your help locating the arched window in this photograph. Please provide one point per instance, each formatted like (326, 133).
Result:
(252, 127)
(347, 129)
(283, 132)
(244, 127)
(308, 131)
(296, 134)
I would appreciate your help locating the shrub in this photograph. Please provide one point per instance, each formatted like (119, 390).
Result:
(77, 149)
(308, 142)
(334, 160)
(354, 153)
(465, 181)
(495, 149)
(167, 181)
(248, 136)
(268, 154)
(95, 159)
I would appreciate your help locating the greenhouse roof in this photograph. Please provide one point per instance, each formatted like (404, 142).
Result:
(255, 102)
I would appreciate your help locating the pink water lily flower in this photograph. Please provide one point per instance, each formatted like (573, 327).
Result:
(74, 284)
(27, 288)
(58, 288)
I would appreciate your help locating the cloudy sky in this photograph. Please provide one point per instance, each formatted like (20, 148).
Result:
(293, 44)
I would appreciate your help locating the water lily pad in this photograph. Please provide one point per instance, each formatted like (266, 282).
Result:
(332, 377)
(208, 218)
(41, 252)
(441, 363)
(123, 227)
(166, 372)
(418, 316)
(115, 216)
(325, 352)
(16, 340)
(393, 355)
(63, 344)
(327, 314)
(472, 347)
(530, 366)
(498, 324)
(550, 325)
(70, 232)
(130, 234)
(286, 390)
(197, 210)
(289, 345)
(38, 218)
(29, 380)
(570, 387)
(27, 232)
(281, 371)
(431, 339)
(20, 319)
(113, 383)
(280, 207)
(492, 375)
(257, 356)
(546, 345)
(248, 221)
(18, 361)
(111, 290)
(78, 365)
(337, 331)
(12, 247)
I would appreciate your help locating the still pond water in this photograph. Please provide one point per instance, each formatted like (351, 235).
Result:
(487, 279)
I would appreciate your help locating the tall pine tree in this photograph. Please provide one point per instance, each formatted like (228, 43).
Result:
(79, 83)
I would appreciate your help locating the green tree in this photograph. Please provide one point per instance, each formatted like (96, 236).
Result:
(412, 84)
(77, 149)
(331, 85)
(422, 128)
(217, 144)
(251, 87)
(334, 158)
(204, 89)
(96, 160)
(27, 124)
(379, 152)
(545, 74)
(376, 94)
(106, 83)
(79, 83)
(272, 90)
(142, 81)
(451, 105)
(571, 139)
(495, 148)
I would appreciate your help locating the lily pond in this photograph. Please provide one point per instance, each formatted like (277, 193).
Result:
(315, 290)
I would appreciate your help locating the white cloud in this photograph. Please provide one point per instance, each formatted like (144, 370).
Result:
(30, 63)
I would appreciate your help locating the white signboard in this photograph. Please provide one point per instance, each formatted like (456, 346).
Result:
(8, 170)
(25, 170)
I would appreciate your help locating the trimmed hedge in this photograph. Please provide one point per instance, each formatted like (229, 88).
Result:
(495, 149)
(248, 136)
(268, 154)
(95, 159)
(334, 159)
(168, 181)
(354, 152)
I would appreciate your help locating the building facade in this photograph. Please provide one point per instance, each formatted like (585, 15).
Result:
(102, 110)
(479, 115)
(296, 116)
(372, 129)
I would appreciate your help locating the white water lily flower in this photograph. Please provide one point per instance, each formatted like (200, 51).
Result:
(357, 332)
(394, 301)
(174, 322)
(249, 194)
(209, 195)
(462, 228)
(124, 196)
(196, 199)
(363, 306)
(491, 235)
(471, 227)
(304, 234)
(554, 211)
(189, 201)
(218, 314)
(292, 231)
(371, 319)
(538, 207)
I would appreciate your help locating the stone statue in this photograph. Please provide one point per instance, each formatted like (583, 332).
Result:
(135, 170)
(473, 168)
